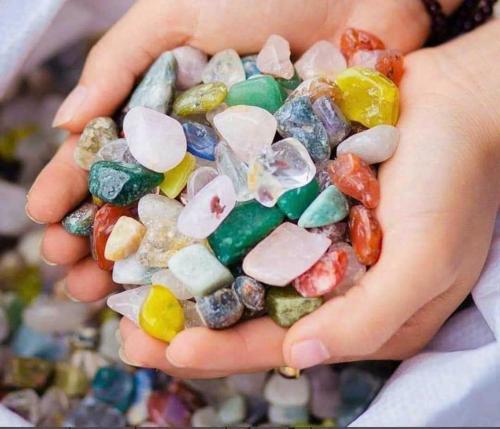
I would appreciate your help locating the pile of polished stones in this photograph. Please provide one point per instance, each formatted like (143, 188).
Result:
(231, 187)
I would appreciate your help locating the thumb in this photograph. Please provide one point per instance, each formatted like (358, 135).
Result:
(120, 56)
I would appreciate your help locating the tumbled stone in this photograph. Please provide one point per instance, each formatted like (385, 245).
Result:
(200, 99)
(232, 410)
(124, 239)
(373, 146)
(131, 271)
(80, 221)
(366, 234)
(250, 292)
(97, 133)
(225, 66)
(199, 270)
(113, 386)
(261, 91)
(290, 84)
(297, 119)
(354, 270)
(156, 140)
(209, 116)
(192, 318)
(128, 303)
(283, 166)
(292, 416)
(335, 231)
(316, 88)
(250, 66)
(368, 97)
(329, 207)
(208, 208)
(323, 174)
(153, 208)
(201, 140)
(117, 150)
(274, 58)
(287, 392)
(121, 184)
(176, 179)
(336, 125)
(285, 306)
(26, 372)
(322, 59)
(248, 130)
(198, 180)
(190, 65)
(167, 279)
(220, 309)
(294, 202)
(388, 62)
(353, 40)
(284, 255)
(245, 226)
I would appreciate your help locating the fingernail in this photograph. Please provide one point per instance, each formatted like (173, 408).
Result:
(52, 264)
(70, 106)
(30, 217)
(125, 359)
(173, 360)
(70, 297)
(307, 353)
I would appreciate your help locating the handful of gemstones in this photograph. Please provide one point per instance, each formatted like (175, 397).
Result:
(238, 187)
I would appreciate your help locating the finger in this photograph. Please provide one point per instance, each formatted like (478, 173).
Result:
(62, 248)
(59, 187)
(86, 282)
(123, 54)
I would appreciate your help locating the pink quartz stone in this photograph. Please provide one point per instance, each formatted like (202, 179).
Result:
(274, 58)
(190, 65)
(208, 208)
(285, 254)
(155, 140)
(322, 59)
(198, 180)
(247, 129)
(128, 303)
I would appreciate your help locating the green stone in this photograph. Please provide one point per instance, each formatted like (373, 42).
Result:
(246, 225)
(200, 99)
(80, 221)
(261, 91)
(329, 207)
(285, 306)
(294, 202)
(27, 372)
(121, 184)
(290, 84)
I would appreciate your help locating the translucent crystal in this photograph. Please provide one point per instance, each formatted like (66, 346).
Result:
(117, 150)
(129, 302)
(190, 65)
(322, 59)
(167, 279)
(199, 179)
(226, 67)
(274, 58)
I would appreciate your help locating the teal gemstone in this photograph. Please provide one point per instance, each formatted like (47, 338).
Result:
(121, 184)
(114, 386)
(294, 202)
(329, 207)
(290, 84)
(261, 91)
(250, 65)
(246, 225)
(80, 221)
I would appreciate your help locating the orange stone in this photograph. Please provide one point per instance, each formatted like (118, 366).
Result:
(389, 62)
(354, 177)
(366, 234)
(353, 40)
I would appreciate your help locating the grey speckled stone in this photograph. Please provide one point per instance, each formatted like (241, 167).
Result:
(221, 309)
(80, 221)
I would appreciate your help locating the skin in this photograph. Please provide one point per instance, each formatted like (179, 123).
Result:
(440, 192)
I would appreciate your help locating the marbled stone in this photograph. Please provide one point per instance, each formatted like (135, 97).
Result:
(335, 231)
(143, 387)
(167, 279)
(261, 91)
(200, 99)
(366, 234)
(117, 150)
(220, 309)
(322, 59)
(329, 207)
(274, 58)
(250, 292)
(287, 392)
(210, 115)
(190, 65)
(176, 179)
(353, 40)
(336, 125)
(201, 177)
(316, 88)
(201, 140)
(124, 239)
(353, 272)
(225, 66)
(80, 221)
(131, 271)
(294, 202)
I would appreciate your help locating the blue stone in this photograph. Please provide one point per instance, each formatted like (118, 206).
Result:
(250, 65)
(31, 344)
(358, 387)
(220, 309)
(336, 125)
(201, 140)
(114, 386)
(329, 207)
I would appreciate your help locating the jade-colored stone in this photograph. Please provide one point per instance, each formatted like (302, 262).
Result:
(80, 221)
(290, 84)
(294, 202)
(245, 226)
(71, 379)
(27, 372)
(200, 99)
(329, 207)
(285, 306)
(114, 386)
(121, 184)
(261, 91)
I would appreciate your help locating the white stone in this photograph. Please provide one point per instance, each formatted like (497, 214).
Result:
(128, 303)
(274, 58)
(153, 208)
(131, 271)
(232, 410)
(226, 67)
(190, 65)
(323, 59)
(287, 392)
(167, 279)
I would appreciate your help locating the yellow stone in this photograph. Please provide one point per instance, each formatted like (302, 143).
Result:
(368, 97)
(161, 314)
(97, 201)
(175, 180)
(124, 239)
(200, 99)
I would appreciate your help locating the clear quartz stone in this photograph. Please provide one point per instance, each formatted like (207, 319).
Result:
(167, 279)
(323, 59)
(226, 67)
(128, 303)
(199, 179)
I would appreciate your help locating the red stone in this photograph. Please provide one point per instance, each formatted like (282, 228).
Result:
(353, 40)
(354, 177)
(386, 61)
(168, 410)
(366, 234)
(324, 275)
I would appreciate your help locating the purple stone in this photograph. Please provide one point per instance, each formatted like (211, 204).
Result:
(336, 125)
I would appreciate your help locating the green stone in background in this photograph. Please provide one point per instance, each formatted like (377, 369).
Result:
(121, 184)
(27, 372)
(200, 99)
(80, 221)
(261, 91)
(290, 84)
(71, 379)
(285, 306)
(329, 207)
(245, 226)
(294, 202)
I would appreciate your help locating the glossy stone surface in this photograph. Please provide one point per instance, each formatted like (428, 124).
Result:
(336, 125)
(117, 150)
(176, 179)
(124, 239)
(353, 272)
(287, 392)
(274, 58)
(329, 207)
(113, 386)
(161, 315)
(156, 140)
(284, 255)
(366, 234)
(335, 231)
(283, 166)
(96, 134)
(285, 306)
(297, 119)
(245, 226)
(353, 40)
(373, 146)
(153, 208)
(129, 302)
(294, 202)
(166, 279)
(80, 221)
(388, 62)
(353, 177)
(248, 130)
(261, 91)
(201, 140)
(250, 292)
(316, 88)
(322, 59)
(368, 97)
(199, 270)
(130, 271)
(226, 67)
(121, 184)
(190, 65)
(250, 65)
(201, 177)
(290, 84)
(200, 99)
(221, 309)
